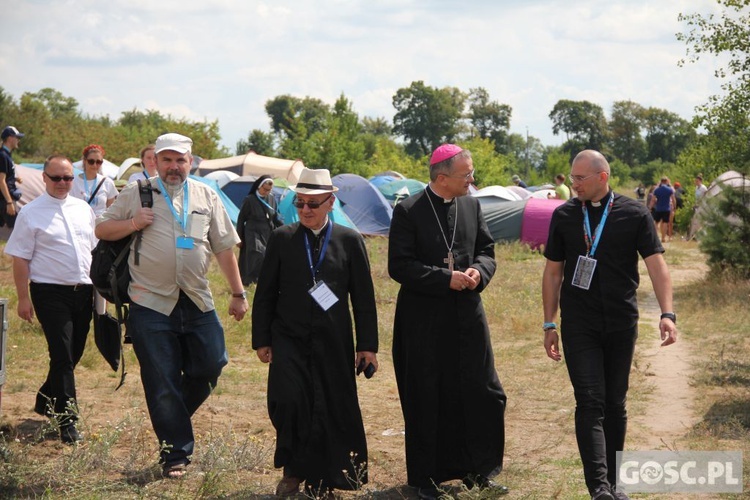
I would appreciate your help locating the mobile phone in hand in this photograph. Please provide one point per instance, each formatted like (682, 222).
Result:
(369, 370)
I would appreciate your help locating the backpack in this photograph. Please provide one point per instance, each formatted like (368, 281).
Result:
(110, 275)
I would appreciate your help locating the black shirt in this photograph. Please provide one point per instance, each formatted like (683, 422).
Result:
(8, 168)
(610, 302)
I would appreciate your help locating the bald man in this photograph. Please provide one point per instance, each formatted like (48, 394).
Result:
(592, 274)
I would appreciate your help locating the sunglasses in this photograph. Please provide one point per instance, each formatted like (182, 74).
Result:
(312, 204)
(58, 178)
(91, 161)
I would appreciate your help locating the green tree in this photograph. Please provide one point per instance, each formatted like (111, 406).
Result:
(725, 117)
(727, 238)
(667, 135)
(427, 117)
(489, 119)
(583, 123)
(625, 132)
(257, 141)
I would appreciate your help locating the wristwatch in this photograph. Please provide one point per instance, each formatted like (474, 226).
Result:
(671, 316)
(240, 295)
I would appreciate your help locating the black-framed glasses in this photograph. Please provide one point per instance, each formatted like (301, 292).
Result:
(58, 178)
(312, 204)
(92, 161)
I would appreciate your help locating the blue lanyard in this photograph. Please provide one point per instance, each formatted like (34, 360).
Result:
(260, 198)
(182, 221)
(314, 269)
(591, 247)
(86, 188)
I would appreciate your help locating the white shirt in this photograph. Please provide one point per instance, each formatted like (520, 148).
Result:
(143, 175)
(700, 190)
(56, 237)
(83, 188)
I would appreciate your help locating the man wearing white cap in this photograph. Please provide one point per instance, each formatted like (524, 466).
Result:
(312, 270)
(176, 333)
(442, 254)
(8, 180)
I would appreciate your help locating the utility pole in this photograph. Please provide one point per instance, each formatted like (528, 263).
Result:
(528, 160)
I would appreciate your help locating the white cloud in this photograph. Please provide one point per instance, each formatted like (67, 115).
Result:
(222, 60)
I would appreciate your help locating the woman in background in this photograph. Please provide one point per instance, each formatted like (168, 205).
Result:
(258, 217)
(97, 190)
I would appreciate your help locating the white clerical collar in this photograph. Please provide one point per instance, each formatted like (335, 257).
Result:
(445, 200)
(316, 232)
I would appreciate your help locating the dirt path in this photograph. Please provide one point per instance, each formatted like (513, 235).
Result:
(670, 413)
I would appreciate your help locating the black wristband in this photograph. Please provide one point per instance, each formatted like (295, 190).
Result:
(671, 316)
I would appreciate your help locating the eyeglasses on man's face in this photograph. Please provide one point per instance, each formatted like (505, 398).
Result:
(465, 176)
(58, 178)
(310, 203)
(581, 178)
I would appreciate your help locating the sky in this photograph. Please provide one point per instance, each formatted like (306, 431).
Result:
(223, 59)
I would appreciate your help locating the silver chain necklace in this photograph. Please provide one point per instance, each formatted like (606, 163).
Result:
(450, 258)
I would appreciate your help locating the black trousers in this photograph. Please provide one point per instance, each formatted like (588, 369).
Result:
(599, 368)
(65, 315)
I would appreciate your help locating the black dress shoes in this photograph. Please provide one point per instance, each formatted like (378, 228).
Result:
(69, 434)
(484, 483)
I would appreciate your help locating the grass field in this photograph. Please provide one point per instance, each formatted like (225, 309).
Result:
(235, 440)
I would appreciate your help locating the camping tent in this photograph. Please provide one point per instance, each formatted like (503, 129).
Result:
(400, 189)
(499, 192)
(222, 177)
(526, 220)
(705, 205)
(254, 164)
(129, 167)
(364, 204)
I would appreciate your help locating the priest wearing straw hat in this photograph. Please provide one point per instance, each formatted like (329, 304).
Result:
(442, 254)
(313, 269)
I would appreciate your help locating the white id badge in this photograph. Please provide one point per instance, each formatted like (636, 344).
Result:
(323, 295)
(584, 272)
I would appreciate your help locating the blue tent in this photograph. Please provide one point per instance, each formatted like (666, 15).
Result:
(401, 189)
(289, 213)
(364, 204)
(230, 207)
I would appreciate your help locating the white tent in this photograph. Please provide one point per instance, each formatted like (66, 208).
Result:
(498, 192)
(704, 207)
(122, 172)
(108, 168)
(255, 164)
(222, 177)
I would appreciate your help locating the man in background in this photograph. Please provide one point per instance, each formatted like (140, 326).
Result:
(51, 248)
(8, 179)
(663, 204)
(700, 188)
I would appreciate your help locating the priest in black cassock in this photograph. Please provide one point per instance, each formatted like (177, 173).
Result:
(442, 254)
(302, 327)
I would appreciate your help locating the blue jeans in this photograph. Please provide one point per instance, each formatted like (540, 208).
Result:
(599, 368)
(181, 357)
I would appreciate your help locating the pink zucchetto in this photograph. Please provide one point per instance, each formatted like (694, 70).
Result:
(444, 152)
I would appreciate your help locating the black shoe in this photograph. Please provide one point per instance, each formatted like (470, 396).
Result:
(602, 492)
(619, 495)
(431, 493)
(43, 405)
(485, 483)
(69, 434)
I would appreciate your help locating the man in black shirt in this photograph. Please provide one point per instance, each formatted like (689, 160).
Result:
(592, 273)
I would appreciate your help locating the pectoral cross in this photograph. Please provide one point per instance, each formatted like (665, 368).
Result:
(449, 260)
